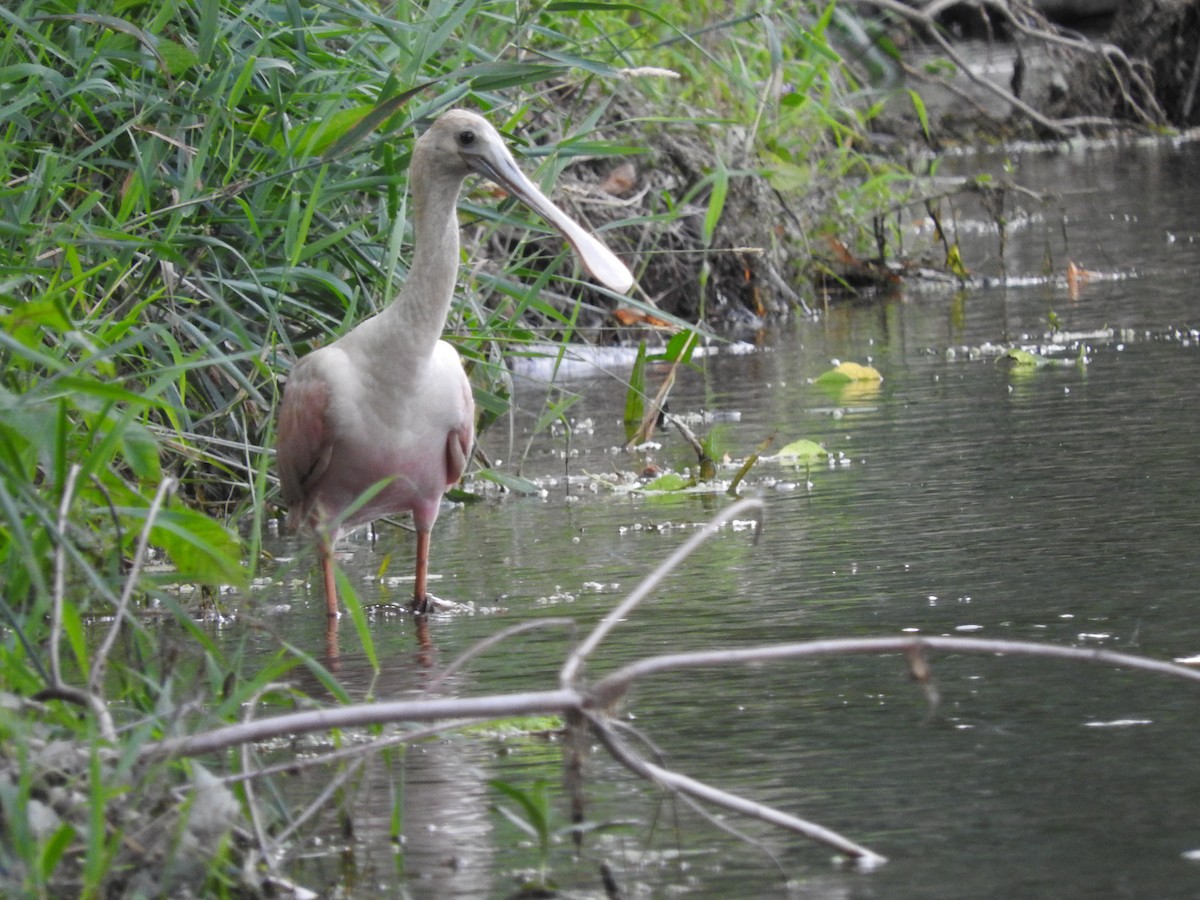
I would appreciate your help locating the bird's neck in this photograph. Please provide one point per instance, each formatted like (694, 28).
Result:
(417, 317)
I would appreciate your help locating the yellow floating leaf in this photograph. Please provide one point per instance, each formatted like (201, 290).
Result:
(846, 372)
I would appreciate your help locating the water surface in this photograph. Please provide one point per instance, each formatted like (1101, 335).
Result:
(1058, 505)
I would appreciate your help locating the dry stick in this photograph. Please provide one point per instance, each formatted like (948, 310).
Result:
(60, 570)
(426, 710)
(139, 559)
(610, 688)
(698, 808)
(318, 802)
(674, 781)
(1047, 34)
(266, 845)
(58, 688)
(575, 661)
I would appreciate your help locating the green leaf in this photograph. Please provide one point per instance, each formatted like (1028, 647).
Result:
(635, 397)
(177, 58)
(140, 450)
(359, 617)
(72, 624)
(954, 262)
(374, 117)
(680, 347)
(535, 805)
(514, 483)
(668, 481)
(922, 113)
(53, 850)
(201, 549)
(1023, 359)
(803, 450)
(716, 202)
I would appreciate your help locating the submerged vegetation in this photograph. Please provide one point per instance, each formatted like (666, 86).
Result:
(196, 193)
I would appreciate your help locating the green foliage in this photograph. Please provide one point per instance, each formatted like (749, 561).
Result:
(194, 194)
(533, 817)
(803, 450)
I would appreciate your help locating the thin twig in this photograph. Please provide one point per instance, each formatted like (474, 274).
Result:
(359, 715)
(698, 808)
(867, 859)
(131, 580)
(60, 576)
(266, 845)
(319, 801)
(58, 689)
(1061, 127)
(575, 661)
(610, 688)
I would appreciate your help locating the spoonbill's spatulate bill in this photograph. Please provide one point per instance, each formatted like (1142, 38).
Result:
(381, 421)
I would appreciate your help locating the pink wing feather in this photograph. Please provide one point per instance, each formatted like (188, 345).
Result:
(303, 444)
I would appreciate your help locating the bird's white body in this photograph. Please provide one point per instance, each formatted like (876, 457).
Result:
(414, 436)
(381, 421)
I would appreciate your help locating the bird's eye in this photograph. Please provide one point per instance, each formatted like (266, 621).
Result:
(466, 138)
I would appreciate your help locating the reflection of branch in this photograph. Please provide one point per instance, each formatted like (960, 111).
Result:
(492, 640)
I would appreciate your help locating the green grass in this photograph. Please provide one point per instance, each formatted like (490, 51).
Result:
(195, 193)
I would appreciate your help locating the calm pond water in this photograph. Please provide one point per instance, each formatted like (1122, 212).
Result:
(1060, 505)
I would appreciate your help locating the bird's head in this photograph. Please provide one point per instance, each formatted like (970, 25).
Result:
(461, 142)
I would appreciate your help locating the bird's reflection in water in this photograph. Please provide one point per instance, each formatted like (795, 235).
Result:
(426, 654)
(435, 789)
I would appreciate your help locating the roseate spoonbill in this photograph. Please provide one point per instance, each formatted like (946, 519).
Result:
(381, 421)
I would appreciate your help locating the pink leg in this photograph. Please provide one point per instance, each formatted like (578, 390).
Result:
(420, 602)
(330, 577)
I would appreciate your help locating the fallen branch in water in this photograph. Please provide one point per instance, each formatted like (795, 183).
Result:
(576, 701)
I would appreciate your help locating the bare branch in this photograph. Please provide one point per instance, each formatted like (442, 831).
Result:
(427, 710)
(60, 570)
(674, 781)
(58, 689)
(613, 686)
(139, 559)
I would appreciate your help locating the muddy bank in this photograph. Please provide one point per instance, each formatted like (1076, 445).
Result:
(1159, 87)
(777, 252)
